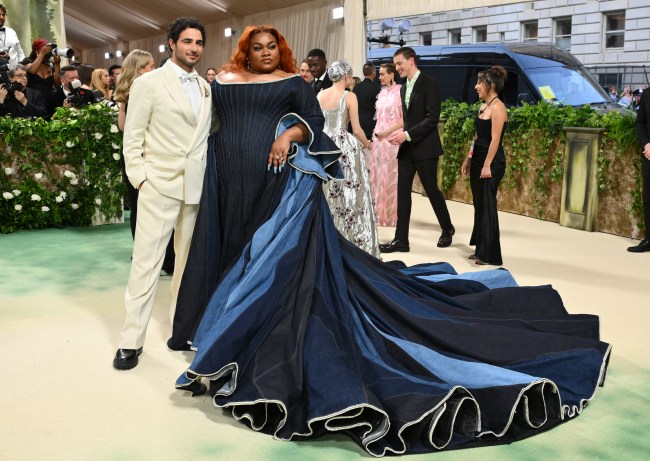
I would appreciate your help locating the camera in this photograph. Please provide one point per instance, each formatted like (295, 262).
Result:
(62, 52)
(12, 87)
(77, 97)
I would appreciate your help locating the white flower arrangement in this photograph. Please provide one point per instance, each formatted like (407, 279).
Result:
(98, 136)
(69, 144)
(98, 201)
(115, 146)
(114, 128)
(63, 194)
(116, 156)
(36, 198)
(7, 195)
(45, 209)
(74, 181)
(93, 154)
(9, 171)
(69, 174)
(38, 176)
(58, 199)
(74, 206)
(18, 207)
(16, 192)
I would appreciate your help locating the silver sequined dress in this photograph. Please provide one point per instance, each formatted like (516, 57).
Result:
(350, 199)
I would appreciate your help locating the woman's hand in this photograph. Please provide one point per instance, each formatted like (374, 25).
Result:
(464, 168)
(486, 172)
(279, 152)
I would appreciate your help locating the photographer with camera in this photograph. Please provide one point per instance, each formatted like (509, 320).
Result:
(19, 101)
(70, 93)
(11, 52)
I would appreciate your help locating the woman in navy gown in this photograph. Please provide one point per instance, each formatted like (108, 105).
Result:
(300, 333)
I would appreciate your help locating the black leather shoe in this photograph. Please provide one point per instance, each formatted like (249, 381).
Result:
(446, 237)
(393, 246)
(196, 388)
(643, 246)
(125, 359)
(178, 347)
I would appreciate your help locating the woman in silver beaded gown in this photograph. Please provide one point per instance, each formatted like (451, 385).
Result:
(350, 199)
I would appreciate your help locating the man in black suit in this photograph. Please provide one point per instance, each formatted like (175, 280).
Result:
(643, 133)
(17, 100)
(419, 150)
(61, 97)
(367, 92)
(317, 66)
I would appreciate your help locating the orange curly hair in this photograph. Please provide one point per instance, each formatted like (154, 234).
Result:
(240, 55)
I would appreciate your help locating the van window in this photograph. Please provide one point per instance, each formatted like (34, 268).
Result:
(565, 86)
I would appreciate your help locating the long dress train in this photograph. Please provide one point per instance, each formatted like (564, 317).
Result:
(306, 334)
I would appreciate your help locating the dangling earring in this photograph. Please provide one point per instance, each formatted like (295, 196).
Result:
(248, 66)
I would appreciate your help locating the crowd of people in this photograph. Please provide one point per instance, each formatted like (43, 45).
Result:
(265, 182)
(627, 97)
(260, 172)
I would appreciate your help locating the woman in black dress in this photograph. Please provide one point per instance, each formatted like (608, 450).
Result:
(486, 166)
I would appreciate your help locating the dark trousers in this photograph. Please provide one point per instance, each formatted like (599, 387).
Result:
(645, 175)
(427, 170)
(486, 235)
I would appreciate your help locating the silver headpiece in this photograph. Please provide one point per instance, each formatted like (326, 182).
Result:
(339, 69)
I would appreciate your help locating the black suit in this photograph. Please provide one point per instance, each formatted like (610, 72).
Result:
(321, 85)
(643, 133)
(35, 105)
(58, 97)
(367, 92)
(420, 154)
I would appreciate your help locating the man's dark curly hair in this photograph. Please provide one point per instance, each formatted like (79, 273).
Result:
(182, 23)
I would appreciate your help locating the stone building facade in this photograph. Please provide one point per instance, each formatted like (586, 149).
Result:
(610, 37)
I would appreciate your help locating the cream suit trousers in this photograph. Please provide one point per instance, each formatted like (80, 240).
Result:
(158, 215)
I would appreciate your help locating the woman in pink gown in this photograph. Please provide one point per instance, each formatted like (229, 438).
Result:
(382, 159)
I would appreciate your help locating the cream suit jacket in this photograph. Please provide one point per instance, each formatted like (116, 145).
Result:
(164, 143)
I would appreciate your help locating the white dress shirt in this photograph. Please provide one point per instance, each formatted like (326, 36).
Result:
(191, 86)
(9, 41)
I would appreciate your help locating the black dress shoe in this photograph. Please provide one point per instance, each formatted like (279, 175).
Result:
(178, 347)
(643, 246)
(195, 387)
(393, 246)
(125, 359)
(446, 237)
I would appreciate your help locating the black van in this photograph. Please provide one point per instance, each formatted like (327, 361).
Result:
(536, 71)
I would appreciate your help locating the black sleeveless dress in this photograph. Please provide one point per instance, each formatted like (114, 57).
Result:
(485, 234)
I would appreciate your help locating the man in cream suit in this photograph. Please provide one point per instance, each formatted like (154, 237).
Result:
(165, 148)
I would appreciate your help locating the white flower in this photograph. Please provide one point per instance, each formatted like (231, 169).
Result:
(115, 146)
(69, 144)
(45, 209)
(18, 207)
(8, 171)
(58, 199)
(74, 206)
(68, 174)
(7, 195)
(98, 201)
(114, 128)
(93, 154)
(16, 192)
(38, 176)
(36, 198)
(63, 194)
(98, 136)
(74, 181)
(116, 156)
